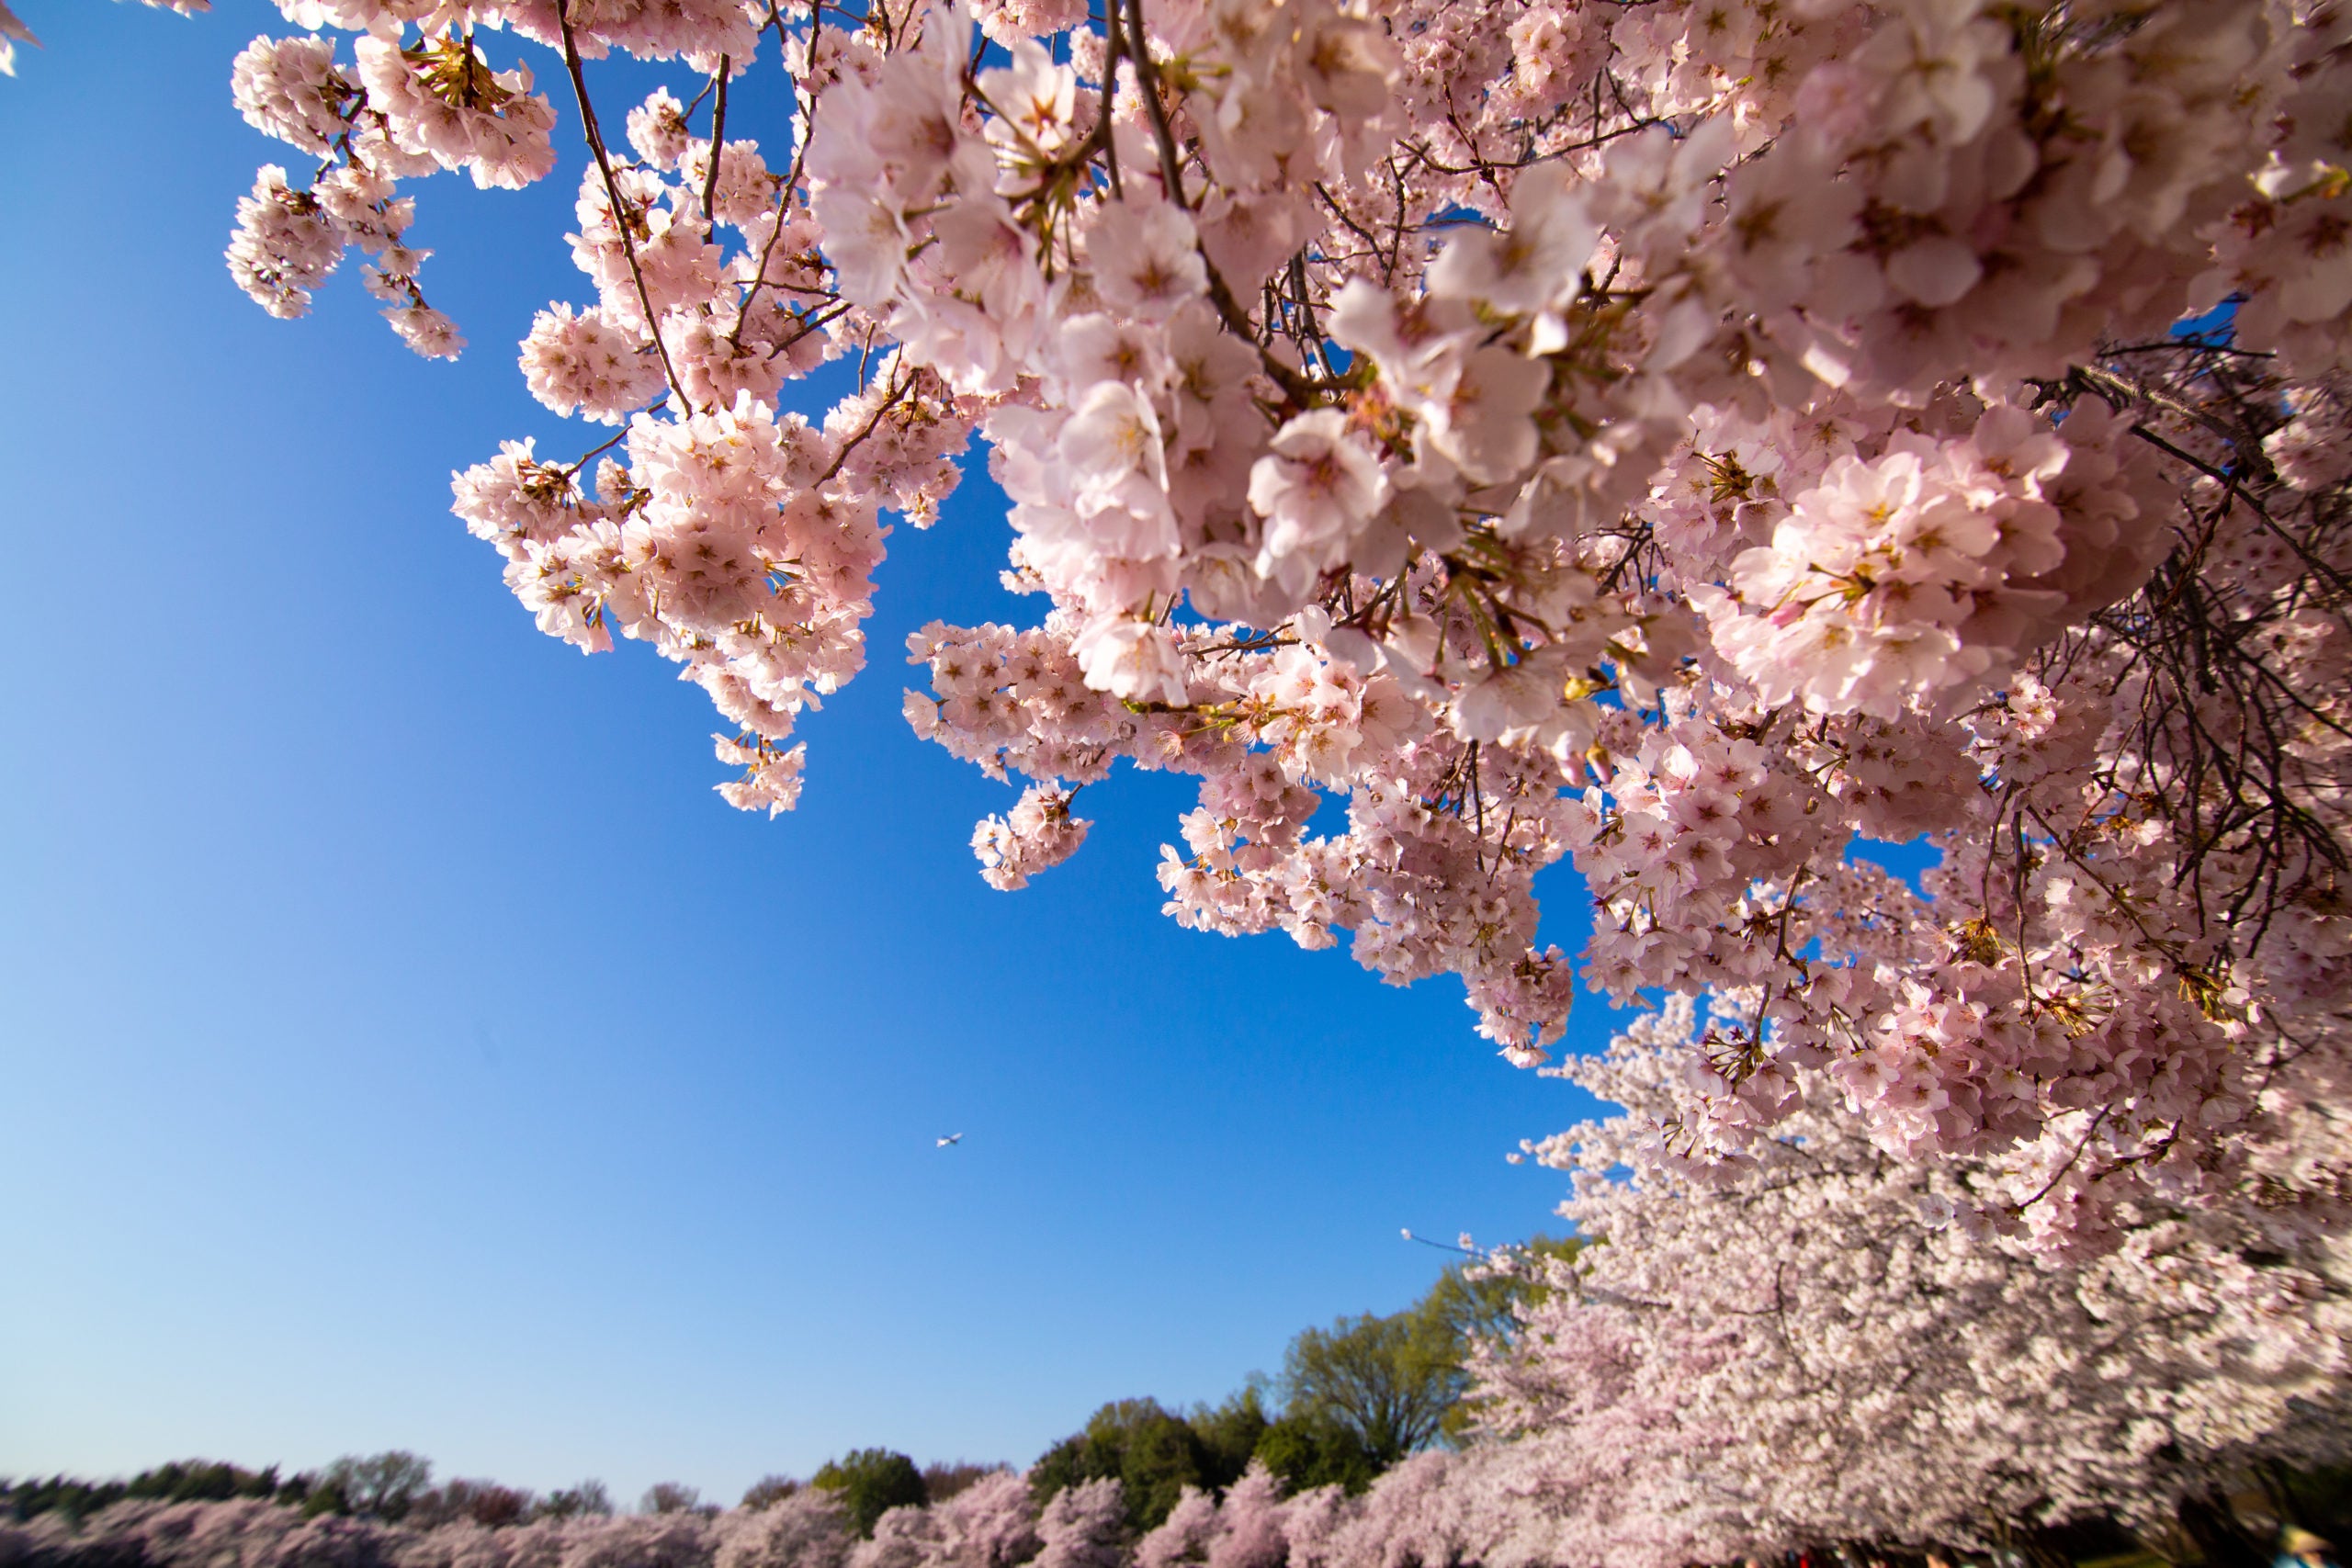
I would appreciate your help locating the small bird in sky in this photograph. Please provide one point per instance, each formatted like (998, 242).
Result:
(950, 1138)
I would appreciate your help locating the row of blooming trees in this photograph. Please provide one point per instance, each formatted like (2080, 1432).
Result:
(992, 1524)
(1437, 1511)
(1668, 437)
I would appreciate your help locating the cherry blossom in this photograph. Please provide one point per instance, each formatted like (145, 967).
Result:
(1670, 441)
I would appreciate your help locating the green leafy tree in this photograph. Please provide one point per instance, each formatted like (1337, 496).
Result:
(1229, 1432)
(1306, 1452)
(1357, 1397)
(1155, 1453)
(872, 1482)
(382, 1486)
(1389, 1381)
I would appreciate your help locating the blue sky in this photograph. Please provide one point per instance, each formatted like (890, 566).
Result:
(402, 1045)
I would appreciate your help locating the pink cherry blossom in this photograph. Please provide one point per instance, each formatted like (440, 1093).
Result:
(1669, 440)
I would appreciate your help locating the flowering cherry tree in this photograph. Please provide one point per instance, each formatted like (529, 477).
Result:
(1830, 1347)
(1672, 438)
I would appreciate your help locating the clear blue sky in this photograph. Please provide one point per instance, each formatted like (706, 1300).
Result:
(402, 1045)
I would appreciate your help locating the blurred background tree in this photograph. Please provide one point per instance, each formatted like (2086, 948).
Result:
(768, 1491)
(872, 1482)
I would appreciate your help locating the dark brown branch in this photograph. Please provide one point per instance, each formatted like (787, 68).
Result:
(717, 142)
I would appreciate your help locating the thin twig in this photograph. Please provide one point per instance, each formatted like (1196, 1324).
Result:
(613, 197)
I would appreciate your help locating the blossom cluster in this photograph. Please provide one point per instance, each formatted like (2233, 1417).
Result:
(393, 113)
(1671, 440)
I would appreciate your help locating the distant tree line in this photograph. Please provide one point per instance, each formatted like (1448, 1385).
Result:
(394, 1487)
(192, 1481)
(1353, 1400)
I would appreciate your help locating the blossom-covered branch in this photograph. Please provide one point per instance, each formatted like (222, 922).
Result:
(1671, 439)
